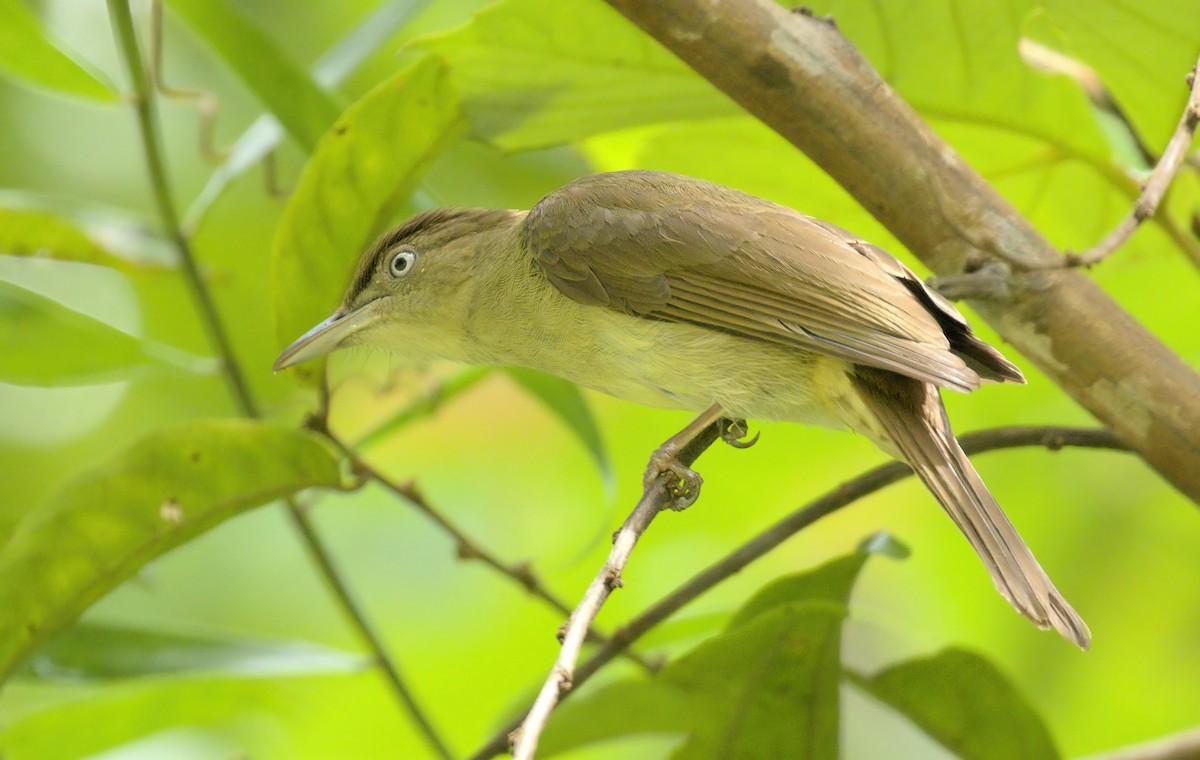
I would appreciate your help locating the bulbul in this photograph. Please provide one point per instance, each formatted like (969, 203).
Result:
(675, 292)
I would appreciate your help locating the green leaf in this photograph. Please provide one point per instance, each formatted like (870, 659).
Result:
(768, 688)
(283, 86)
(1141, 51)
(167, 489)
(27, 55)
(337, 64)
(359, 174)
(32, 232)
(565, 400)
(97, 652)
(534, 74)
(962, 701)
(830, 582)
(45, 343)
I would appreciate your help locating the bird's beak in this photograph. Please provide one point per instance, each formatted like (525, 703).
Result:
(326, 337)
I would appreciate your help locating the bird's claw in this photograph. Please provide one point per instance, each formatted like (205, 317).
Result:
(683, 482)
(734, 433)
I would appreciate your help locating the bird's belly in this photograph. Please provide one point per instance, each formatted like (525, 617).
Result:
(682, 366)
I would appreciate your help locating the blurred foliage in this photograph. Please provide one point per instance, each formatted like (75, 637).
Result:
(118, 443)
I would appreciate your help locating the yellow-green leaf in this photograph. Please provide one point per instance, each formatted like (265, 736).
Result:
(283, 86)
(33, 232)
(27, 55)
(533, 73)
(167, 489)
(45, 343)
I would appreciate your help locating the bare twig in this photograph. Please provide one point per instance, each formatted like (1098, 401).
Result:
(207, 102)
(468, 549)
(973, 443)
(1156, 184)
(210, 318)
(656, 497)
(1182, 746)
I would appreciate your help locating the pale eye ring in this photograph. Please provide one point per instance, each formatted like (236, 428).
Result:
(402, 263)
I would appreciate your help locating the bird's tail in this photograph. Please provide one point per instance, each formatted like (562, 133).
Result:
(911, 415)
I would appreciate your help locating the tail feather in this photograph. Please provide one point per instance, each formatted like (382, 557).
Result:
(912, 417)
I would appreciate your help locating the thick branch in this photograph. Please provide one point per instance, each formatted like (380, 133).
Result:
(842, 496)
(800, 76)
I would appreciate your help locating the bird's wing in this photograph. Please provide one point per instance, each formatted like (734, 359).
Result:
(661, 246)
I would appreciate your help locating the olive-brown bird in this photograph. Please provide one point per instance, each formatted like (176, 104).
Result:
(679, 293)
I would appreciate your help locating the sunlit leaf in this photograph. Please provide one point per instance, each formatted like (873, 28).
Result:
(533, 74)
(359, 174)
(97, 652)
(224, 717)
(768, 688)
(27, 55)
(341, 60)
(283, 86)
(565, 400)
(832, 582)
(31, 232)
(165, 490)
(45, 343)
(960, 699)
(1141, 51)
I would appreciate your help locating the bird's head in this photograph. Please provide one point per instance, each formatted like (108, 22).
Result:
(410, 289)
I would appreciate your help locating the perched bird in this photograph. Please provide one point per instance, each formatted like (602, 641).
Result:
(675, 292)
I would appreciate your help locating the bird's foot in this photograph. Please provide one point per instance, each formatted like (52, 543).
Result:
(734, 433)
(683, 483)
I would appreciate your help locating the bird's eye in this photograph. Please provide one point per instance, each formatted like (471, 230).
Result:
(402, 263)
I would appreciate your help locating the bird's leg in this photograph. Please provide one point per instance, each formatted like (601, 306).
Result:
(684, 482)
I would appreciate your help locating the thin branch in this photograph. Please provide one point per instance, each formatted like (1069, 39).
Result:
(1156, 184)
(874, 480)
(144, 105)
(468, 549)
(656, 497)
(1181, 746)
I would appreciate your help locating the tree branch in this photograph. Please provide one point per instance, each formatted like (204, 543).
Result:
(801, 77)
(852, 490)
(1156, 184)
(318, 553)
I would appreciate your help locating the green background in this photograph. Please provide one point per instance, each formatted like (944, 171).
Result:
(544, 103)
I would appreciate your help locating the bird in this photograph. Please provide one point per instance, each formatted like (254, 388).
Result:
(675, 292)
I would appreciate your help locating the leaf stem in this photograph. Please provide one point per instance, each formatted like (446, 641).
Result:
(144, 106)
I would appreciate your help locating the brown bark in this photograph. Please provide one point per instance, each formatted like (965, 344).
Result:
(802, 78)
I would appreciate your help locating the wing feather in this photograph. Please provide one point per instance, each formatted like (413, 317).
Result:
(663, 246)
